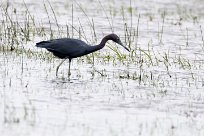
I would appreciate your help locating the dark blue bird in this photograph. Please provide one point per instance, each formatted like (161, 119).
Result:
(67, 48)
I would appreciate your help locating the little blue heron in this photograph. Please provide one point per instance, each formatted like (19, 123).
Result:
(67, 48)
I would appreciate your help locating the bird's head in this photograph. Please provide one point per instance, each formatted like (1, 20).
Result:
(116, 39)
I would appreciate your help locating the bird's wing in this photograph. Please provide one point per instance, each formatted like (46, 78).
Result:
(65, 47)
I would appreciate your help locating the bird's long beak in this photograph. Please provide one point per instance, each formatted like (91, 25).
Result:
(123, 46)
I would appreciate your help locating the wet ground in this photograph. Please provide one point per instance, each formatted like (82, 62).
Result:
(157, 91)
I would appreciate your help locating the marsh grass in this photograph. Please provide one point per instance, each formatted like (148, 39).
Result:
(201, 31)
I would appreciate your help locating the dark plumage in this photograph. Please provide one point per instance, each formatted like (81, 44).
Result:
(67, 48)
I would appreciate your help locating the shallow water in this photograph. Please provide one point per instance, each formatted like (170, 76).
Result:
(101, 99)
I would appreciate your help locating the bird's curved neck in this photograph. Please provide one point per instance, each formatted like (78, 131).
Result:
(101, 45)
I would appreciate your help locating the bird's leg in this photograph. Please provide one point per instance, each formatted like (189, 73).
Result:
(69, 73)
(59, 65)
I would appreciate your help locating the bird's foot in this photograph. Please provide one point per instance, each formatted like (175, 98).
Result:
(56, 74)
(69, 74)
(57, 70)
